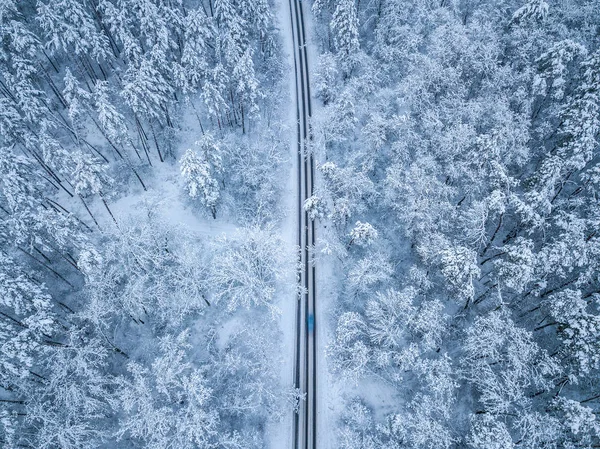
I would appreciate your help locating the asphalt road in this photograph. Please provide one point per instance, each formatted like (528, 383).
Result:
(305, 364)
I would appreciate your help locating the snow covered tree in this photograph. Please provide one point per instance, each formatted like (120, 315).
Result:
(233, 31)
(517, 268)
(168, 403)
(213, 93)
(315, 207)
(426, 428)
(342, 121)
(579, 327)
(350, 354)
(554, 66)
(389, 314)
(532, 10)
(537, 429)
(369, 272)
(246, 387)
(26, 321)
(395, 318)
(246, 268)
(580, 119)
(159, 24)
(146, 90)
(325, 83)
(198, 32)
(146, 272)
(579, 421)
(344, 25)
(351, 190)
(77, 98)
(259, 17)
(375, 131)
(118, 21)
(489, 433)
(459, 267)
(246, 85)
(67, 413)
(419, 198)
(357, 428)
(200, 171)
(69, 27)
(253, 166)
(363, 234)
(89, 175)
(20, 190)
(504, 363)
(111, 120)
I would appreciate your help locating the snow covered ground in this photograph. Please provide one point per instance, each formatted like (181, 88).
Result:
(281, 433)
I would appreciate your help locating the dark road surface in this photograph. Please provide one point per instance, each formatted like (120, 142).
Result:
(305, 428)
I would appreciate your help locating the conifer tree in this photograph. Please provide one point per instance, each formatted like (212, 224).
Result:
(344, 25)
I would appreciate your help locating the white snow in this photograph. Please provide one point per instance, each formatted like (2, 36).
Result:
(280, 434)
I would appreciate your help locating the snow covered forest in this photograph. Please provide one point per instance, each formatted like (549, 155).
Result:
(133, 133)
(460, 180)
(146, 247)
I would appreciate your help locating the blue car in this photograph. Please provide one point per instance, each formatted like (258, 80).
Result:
(311, 322)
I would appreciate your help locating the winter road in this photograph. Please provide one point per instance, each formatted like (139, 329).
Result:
(305, 380)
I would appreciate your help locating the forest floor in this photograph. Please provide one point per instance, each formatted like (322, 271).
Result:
(281, 433)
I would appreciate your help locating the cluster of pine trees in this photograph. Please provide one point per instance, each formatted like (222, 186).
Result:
(459, 148)
(116, 331)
